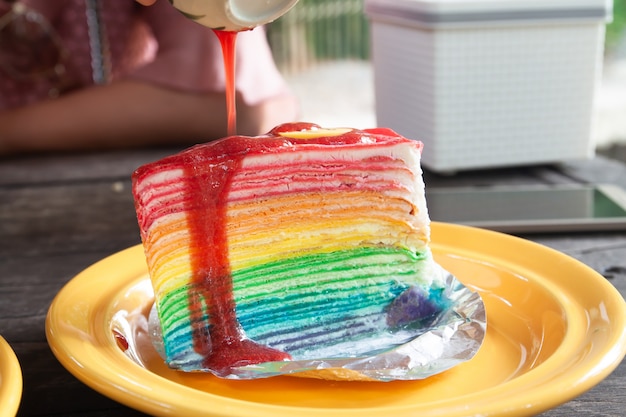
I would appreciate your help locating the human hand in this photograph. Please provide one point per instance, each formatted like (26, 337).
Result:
(146, 2)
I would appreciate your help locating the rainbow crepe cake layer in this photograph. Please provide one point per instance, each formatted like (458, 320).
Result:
(298, 245)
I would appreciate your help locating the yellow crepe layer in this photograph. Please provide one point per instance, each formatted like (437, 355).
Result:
(288, 226)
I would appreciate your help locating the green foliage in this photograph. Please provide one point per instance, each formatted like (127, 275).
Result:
(320, 30)
(616, 28)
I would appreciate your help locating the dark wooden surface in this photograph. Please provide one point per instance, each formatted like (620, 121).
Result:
(59, 214)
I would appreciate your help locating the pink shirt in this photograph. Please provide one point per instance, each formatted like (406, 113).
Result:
(154, 44)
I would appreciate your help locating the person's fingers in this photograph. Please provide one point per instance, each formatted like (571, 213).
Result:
(146, 2)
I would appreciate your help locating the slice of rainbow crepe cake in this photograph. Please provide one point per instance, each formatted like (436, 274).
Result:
(299, 245)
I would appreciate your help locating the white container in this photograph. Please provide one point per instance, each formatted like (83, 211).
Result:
(489, 83)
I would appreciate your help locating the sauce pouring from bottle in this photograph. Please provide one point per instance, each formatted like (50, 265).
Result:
(226, 18)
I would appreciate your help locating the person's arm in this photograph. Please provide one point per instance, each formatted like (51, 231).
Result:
(129, 114)
(122, 114)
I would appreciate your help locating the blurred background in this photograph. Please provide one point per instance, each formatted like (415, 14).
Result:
(323, 48)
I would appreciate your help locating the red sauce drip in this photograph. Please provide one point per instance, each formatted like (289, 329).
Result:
(122, 343)
(228, 41)
(221, 341)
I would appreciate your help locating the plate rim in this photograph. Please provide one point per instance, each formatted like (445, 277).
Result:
(11, 373)
(586, 377)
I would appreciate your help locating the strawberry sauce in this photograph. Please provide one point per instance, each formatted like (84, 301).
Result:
(221, 342)
(228, 41)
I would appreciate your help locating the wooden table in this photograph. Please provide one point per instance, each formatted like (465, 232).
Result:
(61, 213)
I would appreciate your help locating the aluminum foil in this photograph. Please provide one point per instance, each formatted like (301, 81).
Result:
(453, 336)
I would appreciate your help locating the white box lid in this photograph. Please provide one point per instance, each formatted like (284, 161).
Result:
(462, 12)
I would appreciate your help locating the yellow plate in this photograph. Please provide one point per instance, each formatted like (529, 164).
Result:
(555, 329)
(10, 381)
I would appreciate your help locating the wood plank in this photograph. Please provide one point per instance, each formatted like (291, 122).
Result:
(45, 168)
(596, 171)
(65, 218)
(52, 390)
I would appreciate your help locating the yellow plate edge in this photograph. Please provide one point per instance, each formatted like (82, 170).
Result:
(575, 381)
(10, 380)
